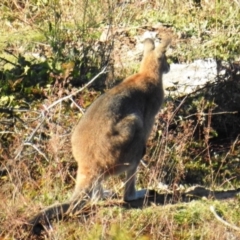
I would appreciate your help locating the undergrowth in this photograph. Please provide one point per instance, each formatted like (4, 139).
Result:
(50, 49)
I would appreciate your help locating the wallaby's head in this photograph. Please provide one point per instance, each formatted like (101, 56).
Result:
(154, 58)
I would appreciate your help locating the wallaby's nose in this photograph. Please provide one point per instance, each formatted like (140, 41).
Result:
(166, 68)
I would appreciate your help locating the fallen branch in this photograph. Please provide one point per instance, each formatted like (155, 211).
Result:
(47, 108)
(212, 209)
(79, 90)
(206, 114)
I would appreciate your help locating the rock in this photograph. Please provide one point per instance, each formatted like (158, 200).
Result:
(185, 78)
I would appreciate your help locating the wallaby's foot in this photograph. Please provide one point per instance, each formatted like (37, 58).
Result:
(137, 195)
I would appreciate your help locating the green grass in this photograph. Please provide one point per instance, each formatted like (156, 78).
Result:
(182, 221)
(214, 27)
(203, 148)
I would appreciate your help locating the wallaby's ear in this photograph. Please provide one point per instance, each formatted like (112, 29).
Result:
(148, 46)
(162, 47)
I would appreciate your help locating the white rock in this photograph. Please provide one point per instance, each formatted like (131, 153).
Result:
(188, 77)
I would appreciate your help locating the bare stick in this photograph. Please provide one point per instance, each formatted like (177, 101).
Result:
(27, 141)
(35, 147)
(212, 209)
(206, 114)
(79, 90)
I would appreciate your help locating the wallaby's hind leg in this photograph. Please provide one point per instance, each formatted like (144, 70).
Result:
(87, 185)
(130, 192)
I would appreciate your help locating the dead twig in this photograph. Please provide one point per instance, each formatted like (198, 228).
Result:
(212, 209)
(47, 108)
(79, 90)
(206, 114)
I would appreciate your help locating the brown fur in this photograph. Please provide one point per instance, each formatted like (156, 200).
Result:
(111, 137)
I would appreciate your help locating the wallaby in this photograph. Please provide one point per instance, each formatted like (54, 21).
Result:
(111, 136)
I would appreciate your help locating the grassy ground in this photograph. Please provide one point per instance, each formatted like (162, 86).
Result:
(48, 50)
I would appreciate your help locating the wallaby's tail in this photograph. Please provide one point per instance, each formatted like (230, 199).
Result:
(56, 212)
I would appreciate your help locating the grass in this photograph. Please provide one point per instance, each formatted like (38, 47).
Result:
(195, 139)
(181, 221)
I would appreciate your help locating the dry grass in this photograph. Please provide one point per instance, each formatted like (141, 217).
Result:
(36, 165)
